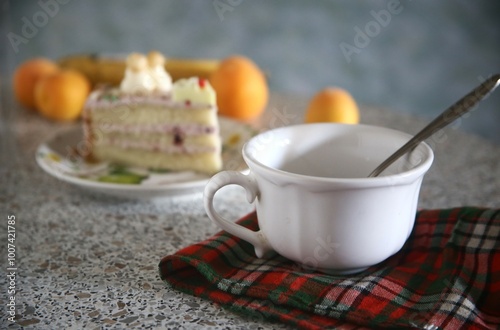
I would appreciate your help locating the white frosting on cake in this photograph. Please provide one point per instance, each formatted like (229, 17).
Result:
(137, 77)
(157, 71)
(193, 90)
(162, 79)
(145, 75)
(137, 82)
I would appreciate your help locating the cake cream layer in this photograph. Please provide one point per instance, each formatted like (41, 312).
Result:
(186, 129)
(164, 143)
(201, 162)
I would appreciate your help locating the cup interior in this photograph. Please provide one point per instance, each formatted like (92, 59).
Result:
(332, 150)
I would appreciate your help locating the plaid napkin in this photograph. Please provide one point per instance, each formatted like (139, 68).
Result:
(447, 276)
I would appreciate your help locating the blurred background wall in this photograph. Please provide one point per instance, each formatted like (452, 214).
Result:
(410, 56)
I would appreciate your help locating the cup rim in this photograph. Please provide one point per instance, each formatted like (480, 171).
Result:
(395, 179)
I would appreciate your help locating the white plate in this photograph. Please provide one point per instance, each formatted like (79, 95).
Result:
(59, 157)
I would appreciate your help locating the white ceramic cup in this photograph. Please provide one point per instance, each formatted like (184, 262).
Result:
(315, 204)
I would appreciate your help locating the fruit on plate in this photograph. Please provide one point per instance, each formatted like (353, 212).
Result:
(27, 75)
(241, 88)
(62, 95)
(110, 70)
(332, 104)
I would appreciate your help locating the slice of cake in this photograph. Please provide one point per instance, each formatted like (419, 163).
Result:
(153, 123)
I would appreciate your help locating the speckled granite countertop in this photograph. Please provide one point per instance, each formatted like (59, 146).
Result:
(90, 261)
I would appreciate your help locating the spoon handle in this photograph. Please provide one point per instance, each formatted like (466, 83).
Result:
(461, 107)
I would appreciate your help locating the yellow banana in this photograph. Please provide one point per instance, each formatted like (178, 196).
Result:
(110, 70)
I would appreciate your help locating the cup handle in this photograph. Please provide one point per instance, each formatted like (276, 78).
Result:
(221, 179)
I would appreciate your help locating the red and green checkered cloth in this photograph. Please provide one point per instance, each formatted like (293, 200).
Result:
(447, 276)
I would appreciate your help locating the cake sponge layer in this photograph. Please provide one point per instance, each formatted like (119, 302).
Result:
(201, 162)
(147, 114)
(168, 143)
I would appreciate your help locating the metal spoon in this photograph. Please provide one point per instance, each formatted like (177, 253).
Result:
(461, 107)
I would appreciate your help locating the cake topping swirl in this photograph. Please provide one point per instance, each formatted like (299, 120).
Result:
(137, 78)
(157, 70)
(145, 75)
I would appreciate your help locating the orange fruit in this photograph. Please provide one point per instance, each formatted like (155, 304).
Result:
(332, 105)
(26, 76)
(62, 95)
(241, 88)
